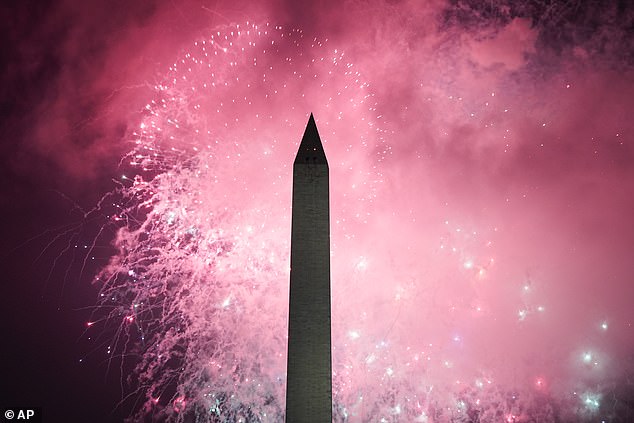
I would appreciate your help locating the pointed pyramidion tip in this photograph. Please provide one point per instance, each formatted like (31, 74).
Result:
(311, 150)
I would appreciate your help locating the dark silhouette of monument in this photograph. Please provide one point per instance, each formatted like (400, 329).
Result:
(309, 370)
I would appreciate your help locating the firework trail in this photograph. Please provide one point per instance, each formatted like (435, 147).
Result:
(200, 279)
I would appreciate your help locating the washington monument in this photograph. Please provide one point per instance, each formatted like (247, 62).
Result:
(309, 370)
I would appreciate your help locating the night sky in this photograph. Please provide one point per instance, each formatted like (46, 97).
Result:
(482, 194)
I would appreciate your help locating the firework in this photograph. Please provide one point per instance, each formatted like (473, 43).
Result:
(433, 318)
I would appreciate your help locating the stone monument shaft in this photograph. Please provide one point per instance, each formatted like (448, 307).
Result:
(309, 370)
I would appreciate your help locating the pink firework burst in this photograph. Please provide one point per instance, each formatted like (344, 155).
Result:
(438, 315)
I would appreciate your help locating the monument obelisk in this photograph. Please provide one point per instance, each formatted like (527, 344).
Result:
(309, 370)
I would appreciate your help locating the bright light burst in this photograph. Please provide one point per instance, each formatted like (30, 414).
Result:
(199, 283)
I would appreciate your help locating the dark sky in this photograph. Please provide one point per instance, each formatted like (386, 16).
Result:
(55, 90)
(495, 159)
